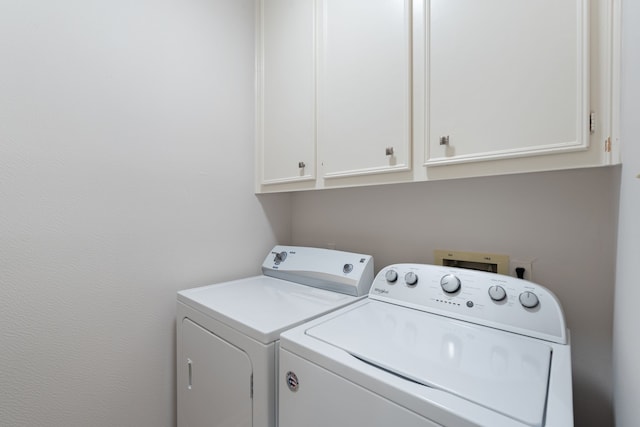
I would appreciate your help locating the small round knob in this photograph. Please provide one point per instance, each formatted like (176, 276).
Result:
(450, 283)
(391, 276)
(497, 293)
(301, 165)
(281, 256)
(529, 299)
(347, 268)
(411, 278)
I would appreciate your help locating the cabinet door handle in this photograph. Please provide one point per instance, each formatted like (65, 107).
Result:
(389, 151)
(444, 140)
(301, 165)
(189, 363)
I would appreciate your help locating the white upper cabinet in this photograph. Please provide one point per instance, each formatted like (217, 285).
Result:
(506, 78)
(286, 84)
(364, 87)
(363, 92)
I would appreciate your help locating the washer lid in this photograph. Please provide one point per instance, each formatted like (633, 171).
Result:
(262, 307)
(501, 371)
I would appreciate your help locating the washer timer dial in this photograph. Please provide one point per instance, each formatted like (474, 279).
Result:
(450, 283)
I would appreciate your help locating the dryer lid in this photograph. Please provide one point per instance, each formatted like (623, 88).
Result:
(262, 307)
(501, 371)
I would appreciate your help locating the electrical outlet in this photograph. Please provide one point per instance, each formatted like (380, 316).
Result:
(526, 264)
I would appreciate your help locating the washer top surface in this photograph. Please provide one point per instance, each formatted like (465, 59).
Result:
(498, 370)
(262, 307)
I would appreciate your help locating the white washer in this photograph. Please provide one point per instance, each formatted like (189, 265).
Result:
(431, 346)
(227, 334)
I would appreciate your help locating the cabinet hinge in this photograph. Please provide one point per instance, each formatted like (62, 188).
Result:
(607, 145)
(592, 122)
(251, 387)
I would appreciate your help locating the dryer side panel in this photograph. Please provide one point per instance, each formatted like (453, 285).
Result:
(214, 380)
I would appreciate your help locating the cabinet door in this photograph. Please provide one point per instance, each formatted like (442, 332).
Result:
(286, 119)
(214, 383)
(507, 78)
(364, 86)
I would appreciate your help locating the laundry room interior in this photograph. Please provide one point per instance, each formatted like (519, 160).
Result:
(128, 174)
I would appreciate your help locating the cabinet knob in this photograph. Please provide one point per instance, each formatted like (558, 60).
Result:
(389, 151)
(444, 140)
(301, 165)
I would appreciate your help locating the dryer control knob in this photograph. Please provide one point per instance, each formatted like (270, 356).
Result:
(411, 278)
(450, 283)
(497, 293)
(529, 299)
(391, 276)
(280, 256)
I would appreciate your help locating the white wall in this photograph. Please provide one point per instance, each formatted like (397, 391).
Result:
(126, 174)
(566, 220)
(626, 348)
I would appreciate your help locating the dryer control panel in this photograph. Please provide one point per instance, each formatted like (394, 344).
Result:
(345, 272)
(489, 299)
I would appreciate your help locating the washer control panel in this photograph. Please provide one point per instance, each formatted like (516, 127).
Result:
(489, 299)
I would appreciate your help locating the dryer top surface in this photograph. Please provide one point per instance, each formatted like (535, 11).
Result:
(261, 306)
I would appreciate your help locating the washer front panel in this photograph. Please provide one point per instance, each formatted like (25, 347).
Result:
(504, 372)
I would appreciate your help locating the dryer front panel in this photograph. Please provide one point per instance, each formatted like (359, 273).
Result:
(214, 381)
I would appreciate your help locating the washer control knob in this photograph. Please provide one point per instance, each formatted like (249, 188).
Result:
(529, 299)
(411, 278)
(450, 283)
(347, 268)
(497, 293)
(391, 276)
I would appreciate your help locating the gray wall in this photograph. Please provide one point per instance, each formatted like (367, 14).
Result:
(626, 348)
(565, 220)
(126, 174)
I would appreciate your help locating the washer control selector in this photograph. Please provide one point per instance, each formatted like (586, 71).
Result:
(497, 293)
(529, 299)
(411, 278)
(347, 268)
(450, 283)
(391, 276)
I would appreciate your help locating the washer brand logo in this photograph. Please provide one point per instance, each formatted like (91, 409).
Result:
(292, 381)
(380, 291)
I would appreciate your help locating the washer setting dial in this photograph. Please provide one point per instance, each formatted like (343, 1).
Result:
(529, 299)
(411, 278)
(450, 283)
(391, 276)
(497, 293)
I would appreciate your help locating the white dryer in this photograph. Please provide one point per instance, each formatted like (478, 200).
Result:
(227, 334)
(431, 346)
